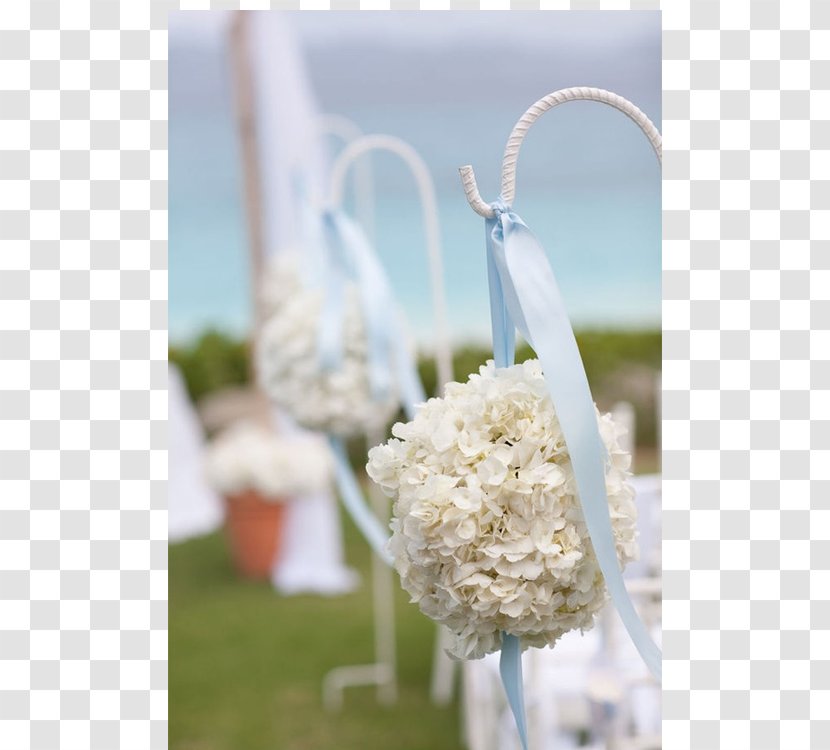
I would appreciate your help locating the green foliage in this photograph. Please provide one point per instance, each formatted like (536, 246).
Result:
(606, 352)
(248, 665)
(621, 365)
(214, 361)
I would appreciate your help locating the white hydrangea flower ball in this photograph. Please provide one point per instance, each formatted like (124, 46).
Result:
(281, 280)
(487, 530)
(247, 456)
(340, 401)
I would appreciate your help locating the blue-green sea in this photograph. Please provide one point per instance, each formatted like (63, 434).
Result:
(588, 186)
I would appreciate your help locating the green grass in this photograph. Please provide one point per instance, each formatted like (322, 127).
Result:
(246, 665)
(619, 365)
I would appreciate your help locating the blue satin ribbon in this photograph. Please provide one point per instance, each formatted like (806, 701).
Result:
(510, 669)
(504, 332)
(504, 354)
(314, 261)
(335, 269)
(353, 500)
(352, 258)
(349, 258)
(528, 291)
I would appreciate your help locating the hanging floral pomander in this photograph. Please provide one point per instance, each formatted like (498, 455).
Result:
(338, 400)
(488, 533)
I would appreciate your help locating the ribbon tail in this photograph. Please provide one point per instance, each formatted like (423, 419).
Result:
(375, 298)
(330, 331)
(510, 669)
(504, 332)
(334, 271)
(387, 340)
(353, 500)
(387, 351)
(312, 231)
(535, 304)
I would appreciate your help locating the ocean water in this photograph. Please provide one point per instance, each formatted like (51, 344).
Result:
(588, 186)
(604, 246)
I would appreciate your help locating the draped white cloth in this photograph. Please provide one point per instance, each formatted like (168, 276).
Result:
(193, 507)
(291, 154)
(311, 559)
(286, 116)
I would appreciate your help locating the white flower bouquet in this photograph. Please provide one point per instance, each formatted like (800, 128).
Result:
(249, 457)
(338, 401)
(488, 535)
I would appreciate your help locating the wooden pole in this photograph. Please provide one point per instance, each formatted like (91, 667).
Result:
(246, 123)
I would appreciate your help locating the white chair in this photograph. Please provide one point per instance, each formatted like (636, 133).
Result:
(563, 685)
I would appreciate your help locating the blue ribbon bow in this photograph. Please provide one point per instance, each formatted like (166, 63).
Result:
(524, 295)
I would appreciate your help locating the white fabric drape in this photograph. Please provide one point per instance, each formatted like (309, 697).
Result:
(193, 507)
(286, 116)
(291, 154)
(312, 548)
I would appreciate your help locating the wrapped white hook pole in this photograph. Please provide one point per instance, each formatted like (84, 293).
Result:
(533, 113)
(383, 671)
(525, 296)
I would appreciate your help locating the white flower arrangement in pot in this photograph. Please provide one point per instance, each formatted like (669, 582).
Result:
(250, 457)
(257, 471)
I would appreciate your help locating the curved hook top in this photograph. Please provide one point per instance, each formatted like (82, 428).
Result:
(365, 144)
(347, 131)
(534, 112)
(338, 126)
(429, 205)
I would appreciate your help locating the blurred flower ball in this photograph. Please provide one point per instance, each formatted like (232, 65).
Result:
(249, 457)
(338, 401)
(488, 534)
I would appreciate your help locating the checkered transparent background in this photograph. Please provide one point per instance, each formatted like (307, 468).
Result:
(746, 370)
(746, 314)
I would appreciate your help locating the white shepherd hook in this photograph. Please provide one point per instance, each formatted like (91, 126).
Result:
(346, 131)
(383, 671)
(429, 206)
(514, 143)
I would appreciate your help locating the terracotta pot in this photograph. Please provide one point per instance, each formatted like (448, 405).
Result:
(254, 528)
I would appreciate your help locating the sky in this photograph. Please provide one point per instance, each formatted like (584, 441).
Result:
(452, 84)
